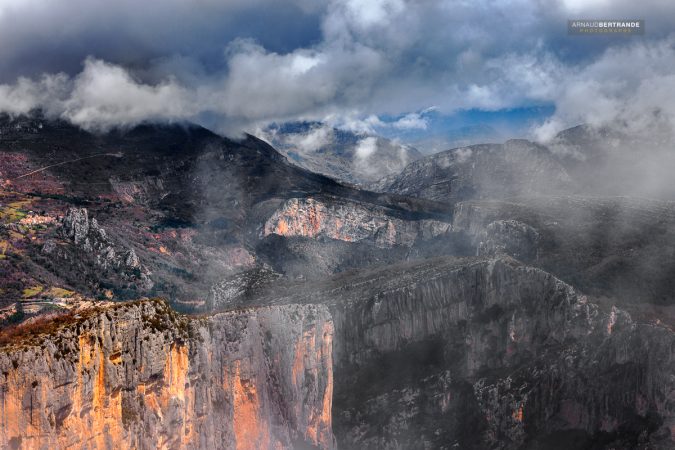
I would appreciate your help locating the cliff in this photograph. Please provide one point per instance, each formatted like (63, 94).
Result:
(614, 247)
(504, 355)
(351, 222)
(471, 353)
(489, 353)
(138, 375)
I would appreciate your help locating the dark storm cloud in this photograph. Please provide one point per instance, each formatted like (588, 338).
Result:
(57, 36)
(240, 64)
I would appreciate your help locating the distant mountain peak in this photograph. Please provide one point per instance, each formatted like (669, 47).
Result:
(355, 158)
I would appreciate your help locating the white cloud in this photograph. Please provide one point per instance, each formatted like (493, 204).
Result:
(353, 61)
(631, 88)
(365, 148)
(105, 95)
(312, 140)
(372, 12)
(354, 122)
(582, 5)
(26, 94)
(412, 121)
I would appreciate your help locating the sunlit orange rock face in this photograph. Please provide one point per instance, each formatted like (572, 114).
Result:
(350, 222)
(140, 376)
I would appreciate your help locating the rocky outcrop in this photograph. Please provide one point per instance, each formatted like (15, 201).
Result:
(82, 252)
(491, 231)
(350, 222)
(509, 237)
(490, 353)
(517, 167)
(140, 376)
(538, 357)
(247, 283)
(617, 247)
(92, 238)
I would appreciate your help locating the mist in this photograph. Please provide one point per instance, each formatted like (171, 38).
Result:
(387, 224)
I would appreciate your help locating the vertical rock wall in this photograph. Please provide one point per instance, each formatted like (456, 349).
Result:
(495, 354)
(140, 376)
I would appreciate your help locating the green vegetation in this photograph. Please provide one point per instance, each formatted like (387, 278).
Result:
(18, 315)
(32, 291)
(14, 211)
(166, 318)
(58, 292)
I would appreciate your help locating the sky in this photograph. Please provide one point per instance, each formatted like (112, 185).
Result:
(412, 70)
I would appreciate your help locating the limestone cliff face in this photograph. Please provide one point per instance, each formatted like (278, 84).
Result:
(139, 376)
(614, 247)
(349, 222)
(506, 355)
(490, 353)
(492, 230)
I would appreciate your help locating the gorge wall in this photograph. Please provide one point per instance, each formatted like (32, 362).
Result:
(489, 353)
(446, 355)
(613, 247)
(138, 375)
(349, 222)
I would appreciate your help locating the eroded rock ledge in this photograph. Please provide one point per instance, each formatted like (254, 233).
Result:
(138, 375)
(350, 222)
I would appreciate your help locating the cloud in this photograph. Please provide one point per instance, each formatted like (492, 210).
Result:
(38, 36)
(263, 85)
(104, 95)
(313, 140)
(241, 64)
(631, 89)
(371, 13)
(101, 96)
(26, 94)
(303, 142)
(366, 147)
(411, 121)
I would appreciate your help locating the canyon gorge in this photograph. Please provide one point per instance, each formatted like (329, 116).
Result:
(165, 287)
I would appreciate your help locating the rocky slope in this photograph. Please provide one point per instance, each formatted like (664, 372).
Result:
(139, 376)
(615, 160)
(614, 247)
(189, 208)
(489, 353)
(581, 160)
(85, 248)
(517, 167)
